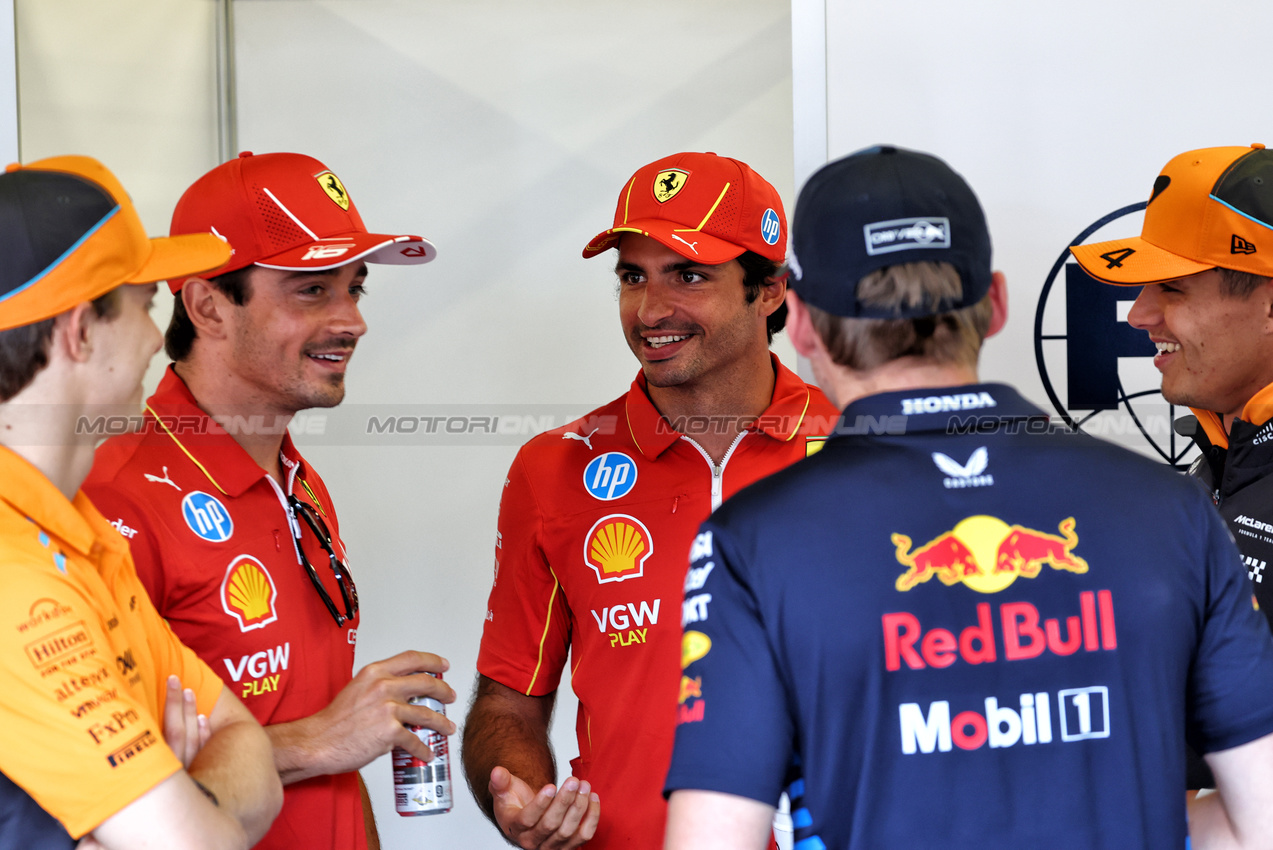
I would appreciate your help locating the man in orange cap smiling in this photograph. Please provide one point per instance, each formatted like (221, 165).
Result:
(98, 738)
(1205, 258)
(234, 533)
(597, 518)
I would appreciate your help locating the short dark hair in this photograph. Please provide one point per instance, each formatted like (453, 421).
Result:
(757, 271)
(180, 336)
(1236, 284)
(24, 350)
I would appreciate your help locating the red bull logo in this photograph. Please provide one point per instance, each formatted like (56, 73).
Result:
(987, 554)
(690, 688)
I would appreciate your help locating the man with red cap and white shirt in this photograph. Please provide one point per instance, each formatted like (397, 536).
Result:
(234, 534)
(597, 518)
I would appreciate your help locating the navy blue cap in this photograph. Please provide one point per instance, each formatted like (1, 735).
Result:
(879, 207)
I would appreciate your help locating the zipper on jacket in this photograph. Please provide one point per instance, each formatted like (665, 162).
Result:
(718, 472)
(293, 524)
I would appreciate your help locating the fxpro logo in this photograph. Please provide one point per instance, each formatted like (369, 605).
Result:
(1082, 714)
(1097, 369)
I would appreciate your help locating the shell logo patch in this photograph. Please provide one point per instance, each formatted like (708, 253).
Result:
(248, 593)
(987, 554)
(334, 188)
(617, 547)
(668, 183)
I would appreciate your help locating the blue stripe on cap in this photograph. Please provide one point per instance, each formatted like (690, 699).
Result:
(1247, 216)
(68, 252)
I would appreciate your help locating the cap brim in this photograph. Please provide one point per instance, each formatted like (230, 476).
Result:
(1133, 262)
(691, 244)
(336, 251)
(181, 257)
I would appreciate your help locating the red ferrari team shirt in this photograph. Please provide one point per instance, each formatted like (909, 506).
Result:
(595, 528)
(214, 544)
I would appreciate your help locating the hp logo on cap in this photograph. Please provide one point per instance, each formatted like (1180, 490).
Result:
(770, 227)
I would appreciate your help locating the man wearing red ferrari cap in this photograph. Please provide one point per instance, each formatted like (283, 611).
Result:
(111, 731)
(234, 534)
(597, 518)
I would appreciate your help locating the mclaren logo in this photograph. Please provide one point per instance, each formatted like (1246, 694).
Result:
(334, 188)
(668, 183)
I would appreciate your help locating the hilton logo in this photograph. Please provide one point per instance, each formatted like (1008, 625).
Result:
(1095, 367)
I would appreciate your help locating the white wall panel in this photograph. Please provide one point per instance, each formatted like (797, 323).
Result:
(503, 131)
(1057, 114)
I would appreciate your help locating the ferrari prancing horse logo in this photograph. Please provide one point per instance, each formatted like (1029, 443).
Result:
(668, 183)
(334, 188)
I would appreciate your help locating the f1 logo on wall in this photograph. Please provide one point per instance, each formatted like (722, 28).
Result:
(1097, 369)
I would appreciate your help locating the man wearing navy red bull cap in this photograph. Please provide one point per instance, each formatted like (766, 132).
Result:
(957, 626)
(234, 534)
(596, 517)
(111, 730)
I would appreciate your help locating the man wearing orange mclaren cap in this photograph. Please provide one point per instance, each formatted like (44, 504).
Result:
(1205, 257)
(234, 533)
(110, 729)
(597, 518)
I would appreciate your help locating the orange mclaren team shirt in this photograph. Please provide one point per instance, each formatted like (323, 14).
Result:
(213, 543)
(595, 527)
(85, 656)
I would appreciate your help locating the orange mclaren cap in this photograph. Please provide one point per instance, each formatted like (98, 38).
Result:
(287, 211)
(69, 233)
(1210, 208)
(704, 207)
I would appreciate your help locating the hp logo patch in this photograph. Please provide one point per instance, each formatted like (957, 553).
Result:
(610, 476)
(770, 227)
(207, 517)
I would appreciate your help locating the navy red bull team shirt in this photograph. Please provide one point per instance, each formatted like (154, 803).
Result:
(967, 629)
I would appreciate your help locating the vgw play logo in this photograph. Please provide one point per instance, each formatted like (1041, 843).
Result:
(1096, 368)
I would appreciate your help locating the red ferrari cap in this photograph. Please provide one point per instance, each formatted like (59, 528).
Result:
(286, 211)
(705, 207)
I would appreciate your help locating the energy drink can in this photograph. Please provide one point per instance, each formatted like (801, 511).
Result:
(420, 787)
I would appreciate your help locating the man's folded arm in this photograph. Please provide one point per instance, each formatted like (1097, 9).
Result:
(240, 796)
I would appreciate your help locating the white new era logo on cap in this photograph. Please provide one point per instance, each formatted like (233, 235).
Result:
(903, 234)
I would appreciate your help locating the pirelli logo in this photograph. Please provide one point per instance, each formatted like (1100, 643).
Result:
(59, 645)
(144, 741)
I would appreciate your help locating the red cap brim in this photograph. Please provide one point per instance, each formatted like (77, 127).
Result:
(691, 244)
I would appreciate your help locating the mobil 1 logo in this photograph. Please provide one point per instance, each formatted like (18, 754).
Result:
(610, 476)
(1072, 714)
